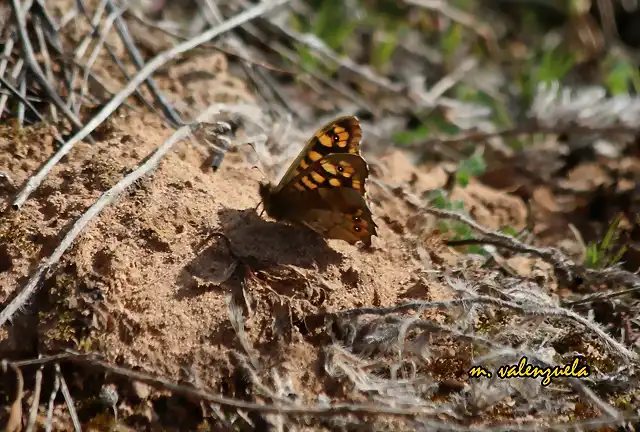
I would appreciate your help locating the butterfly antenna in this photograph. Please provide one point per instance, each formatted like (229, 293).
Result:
(261, 172)
(250, 144)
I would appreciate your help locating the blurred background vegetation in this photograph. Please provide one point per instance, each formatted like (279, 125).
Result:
(515, 48)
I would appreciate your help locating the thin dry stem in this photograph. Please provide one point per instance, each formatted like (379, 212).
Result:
(14, 423)
(30, 59)
(151, 162)
(172, 116)
(47, 63)
(68, 399)
(33, 411)
(527, 309)
(106, 27)
(155, 63)
(52, 398)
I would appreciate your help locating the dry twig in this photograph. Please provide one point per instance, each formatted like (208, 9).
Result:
(139, 78)
(527, 309)
(30, 59)
(569, 271)
(105, 199)
(52, 399)
(129, 43)
(14, 423)
(68, 399)
(33, 412)
(292, 410)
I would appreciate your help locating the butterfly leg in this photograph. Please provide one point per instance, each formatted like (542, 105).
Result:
(256, 208)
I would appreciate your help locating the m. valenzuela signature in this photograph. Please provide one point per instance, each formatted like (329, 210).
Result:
(575, 369)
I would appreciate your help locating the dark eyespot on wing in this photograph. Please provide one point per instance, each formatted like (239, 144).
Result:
(343, 135)
(360, 226)
(341, 168)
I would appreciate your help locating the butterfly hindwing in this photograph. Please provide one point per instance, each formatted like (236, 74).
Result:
(348, 217)
(332, 198)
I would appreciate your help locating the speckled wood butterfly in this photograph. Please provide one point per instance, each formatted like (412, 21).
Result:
(324, 188)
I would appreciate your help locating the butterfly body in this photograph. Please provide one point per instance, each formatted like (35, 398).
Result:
(324, 188)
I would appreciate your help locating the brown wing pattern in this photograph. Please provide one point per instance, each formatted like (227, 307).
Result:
(342, 135)
(337, 170)
(340, 209)
(324, 188)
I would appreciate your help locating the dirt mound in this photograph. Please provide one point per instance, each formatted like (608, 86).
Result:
(147, 284)
(181, 307)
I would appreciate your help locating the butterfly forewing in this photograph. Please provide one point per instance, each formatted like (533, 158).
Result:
(342, 135)
(337, 170)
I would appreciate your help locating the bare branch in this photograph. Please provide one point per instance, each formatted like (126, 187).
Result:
(105, 199)
(68, 400)
(155, 63)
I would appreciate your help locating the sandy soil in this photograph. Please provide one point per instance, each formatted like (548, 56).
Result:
(139, 285)
(150, 284)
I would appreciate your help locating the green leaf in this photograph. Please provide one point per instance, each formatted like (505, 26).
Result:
(462, 178)
(476, 250)
(458, 206)
(618, 79)
(601, 254)
(611, 234)
(451, 40)
(475, 165)
(463, 230)
(510, 231)
(437, 199)
(332, 23)
(411, 136)
(554, 66)
(384, 49)
(308, 61)
(443, 226)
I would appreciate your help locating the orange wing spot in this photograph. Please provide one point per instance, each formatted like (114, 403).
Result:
(330, 168)
(314, 155)
(317, 177)
(325, 140)
(303, 164)
(343, 139)
(335, 182)
(299, 186)
(308, 183)
(356, 184)
(338, 129)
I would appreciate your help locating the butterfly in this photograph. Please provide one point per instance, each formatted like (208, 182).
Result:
(324, 188)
